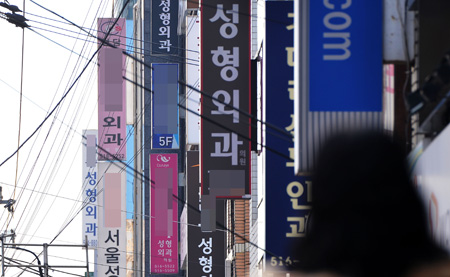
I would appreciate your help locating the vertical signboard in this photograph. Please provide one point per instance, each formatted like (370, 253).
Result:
(111, 91)
(287, 196)
(193, 79)
(206, 250)
(164, 212)
(90, 178)
(388, 97)
(338, 72)
(225, 77)
(165, 106)
(345, 50)
(164, 27)
(112, 245)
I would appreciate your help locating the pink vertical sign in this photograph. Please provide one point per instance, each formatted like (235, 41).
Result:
(111, 90)
(164, 211)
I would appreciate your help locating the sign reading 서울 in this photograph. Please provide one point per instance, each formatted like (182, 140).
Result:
(225, 70)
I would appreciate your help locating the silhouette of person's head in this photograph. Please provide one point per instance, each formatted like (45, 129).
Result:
(367, 219)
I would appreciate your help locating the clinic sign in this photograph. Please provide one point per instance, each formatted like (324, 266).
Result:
(90, 188)
(112, 235)
(164, 213)
(111, 90)
(165, 106)
(164, 27)
(225, 77)
(345, 55)
(206, 250)
(288, 197)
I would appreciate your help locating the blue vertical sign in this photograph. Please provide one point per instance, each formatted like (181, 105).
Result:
(287, 195)
(164, 20)
(345, 55)
(165, 106)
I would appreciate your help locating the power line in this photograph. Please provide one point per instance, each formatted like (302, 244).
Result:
(181, 106)
(20, 112)
(60, 100)
(218, 124)
(64, 96)
(52, 123)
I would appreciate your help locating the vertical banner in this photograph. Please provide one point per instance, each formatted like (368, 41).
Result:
(225, 77)
(345, 49)
(164, 213)
(165, 106)
(90, 189)
(287, 196)
(206, 250)
(388, 97)
(338, 72)
(193, 79)
(112, 245)
(164, 27)
(111, 91)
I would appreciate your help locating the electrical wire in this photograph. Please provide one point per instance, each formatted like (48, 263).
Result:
(60, 155)
(218, 124)
(85, 66)
(20, 113)
(172, 58)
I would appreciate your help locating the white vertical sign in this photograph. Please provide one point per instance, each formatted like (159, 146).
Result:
(112, 244)
(90, 178)
(193, 79)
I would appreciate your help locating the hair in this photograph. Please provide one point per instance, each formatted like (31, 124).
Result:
(366, 219)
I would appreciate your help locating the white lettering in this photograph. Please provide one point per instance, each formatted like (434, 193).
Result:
(330, 6)
(338, 46)
(337, 15)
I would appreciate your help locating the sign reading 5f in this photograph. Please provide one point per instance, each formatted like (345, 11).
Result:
(165, 141)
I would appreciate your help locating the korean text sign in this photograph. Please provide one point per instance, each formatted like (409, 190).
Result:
(225, 76)
(164, 213)
(288, 197)
(111, 91)
(90, 188)
(206, 250)
(112, 245)
(164, 27)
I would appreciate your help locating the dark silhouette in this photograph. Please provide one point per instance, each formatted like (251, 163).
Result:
(367, 219)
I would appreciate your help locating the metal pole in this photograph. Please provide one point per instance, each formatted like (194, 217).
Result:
(45, 260)
(87, 255)
(138, 122)
(3, 258)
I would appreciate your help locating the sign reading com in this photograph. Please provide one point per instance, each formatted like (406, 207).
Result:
(345, 51)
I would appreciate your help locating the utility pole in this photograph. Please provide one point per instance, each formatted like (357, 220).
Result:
(138, 123)
(46, 266)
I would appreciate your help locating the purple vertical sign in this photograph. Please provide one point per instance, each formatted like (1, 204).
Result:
(111, 90)
(164, 211)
